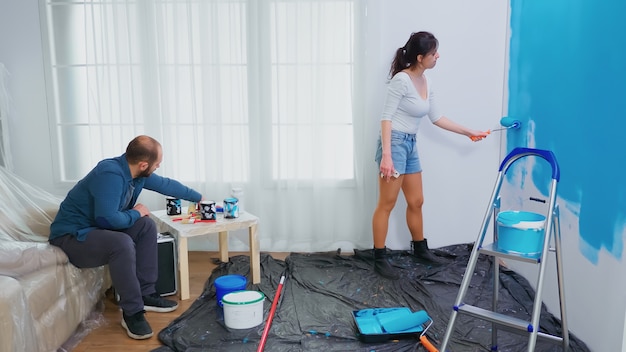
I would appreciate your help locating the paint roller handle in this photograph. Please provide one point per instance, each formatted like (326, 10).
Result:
(270, 317)
(478, 138)
(427, 345)
(505, 122)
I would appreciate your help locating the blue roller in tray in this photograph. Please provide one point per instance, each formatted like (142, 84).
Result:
(381, 324)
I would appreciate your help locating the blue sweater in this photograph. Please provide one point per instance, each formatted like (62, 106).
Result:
(100, 199)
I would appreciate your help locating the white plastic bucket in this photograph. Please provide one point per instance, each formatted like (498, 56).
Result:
(243, 309)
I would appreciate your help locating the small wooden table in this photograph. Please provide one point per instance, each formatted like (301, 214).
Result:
(183, 231)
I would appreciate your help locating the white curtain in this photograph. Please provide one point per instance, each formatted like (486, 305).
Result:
(5, 155)
(258, 94)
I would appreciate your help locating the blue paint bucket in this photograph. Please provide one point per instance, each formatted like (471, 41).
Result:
(520, 232)
(227, 284)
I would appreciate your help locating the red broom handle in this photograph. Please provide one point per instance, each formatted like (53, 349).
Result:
(271, 315)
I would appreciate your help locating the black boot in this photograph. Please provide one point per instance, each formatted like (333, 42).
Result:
(382, 266)
(423, 255)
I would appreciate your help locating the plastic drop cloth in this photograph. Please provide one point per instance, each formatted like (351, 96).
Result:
(322, 290)
(43, 299)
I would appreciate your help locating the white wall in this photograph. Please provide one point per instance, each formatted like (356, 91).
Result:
(594, 294)
(458, 174)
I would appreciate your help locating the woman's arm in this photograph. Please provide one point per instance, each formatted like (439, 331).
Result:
(386, 163)
(395, 91)
(452, 126)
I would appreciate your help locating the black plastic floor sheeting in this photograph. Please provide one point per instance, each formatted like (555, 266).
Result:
(322, 290)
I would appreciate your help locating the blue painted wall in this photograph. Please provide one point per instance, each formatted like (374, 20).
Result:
(567, 85)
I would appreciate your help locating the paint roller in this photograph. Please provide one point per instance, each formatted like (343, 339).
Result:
(402, 322)
(506, 123)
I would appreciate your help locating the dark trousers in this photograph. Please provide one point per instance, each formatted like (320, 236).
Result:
(131, 255)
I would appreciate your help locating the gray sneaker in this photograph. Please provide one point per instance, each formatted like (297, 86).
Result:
(136, 326)
(156, 303)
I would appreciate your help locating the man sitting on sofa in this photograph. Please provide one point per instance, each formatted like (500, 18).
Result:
(99, 223)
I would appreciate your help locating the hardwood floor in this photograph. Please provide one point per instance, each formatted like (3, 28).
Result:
(112, 336)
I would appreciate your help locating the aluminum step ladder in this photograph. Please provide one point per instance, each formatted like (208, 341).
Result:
(552, 232)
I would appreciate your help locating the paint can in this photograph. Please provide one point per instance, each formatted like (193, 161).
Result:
(231, 208)
(520, 232)
(227, 284)
(208, 210)
(243, 309)
(173, 206)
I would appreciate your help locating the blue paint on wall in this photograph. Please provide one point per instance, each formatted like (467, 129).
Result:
(567, 85)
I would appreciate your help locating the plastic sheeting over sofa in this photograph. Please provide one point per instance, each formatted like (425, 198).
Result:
(322, 290)
(43, 298)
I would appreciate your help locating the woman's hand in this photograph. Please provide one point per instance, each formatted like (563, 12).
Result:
(386, 167)
(477, 135)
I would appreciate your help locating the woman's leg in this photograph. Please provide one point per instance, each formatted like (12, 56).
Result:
(388, 194)
(414, 195)
(386, 201)
(413, 192)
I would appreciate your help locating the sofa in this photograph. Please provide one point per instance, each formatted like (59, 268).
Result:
(43, 298)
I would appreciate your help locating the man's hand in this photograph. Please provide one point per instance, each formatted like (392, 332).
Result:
(142, 209)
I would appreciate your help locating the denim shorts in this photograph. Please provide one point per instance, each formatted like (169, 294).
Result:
(403, 153)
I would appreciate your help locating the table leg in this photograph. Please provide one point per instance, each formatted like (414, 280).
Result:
(255, 256)
(224, 246)
(183, 267)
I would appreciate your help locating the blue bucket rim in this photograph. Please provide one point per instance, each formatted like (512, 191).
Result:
(230, 281)
(514, 217)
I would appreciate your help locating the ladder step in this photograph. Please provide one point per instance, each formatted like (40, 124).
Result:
(491, 249)
(506, 322)
(494, 317)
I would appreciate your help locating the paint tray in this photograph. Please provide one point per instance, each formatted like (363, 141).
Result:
(370, 321)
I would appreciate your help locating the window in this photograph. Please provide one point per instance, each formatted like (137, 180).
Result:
(311, 67)
(234, 88)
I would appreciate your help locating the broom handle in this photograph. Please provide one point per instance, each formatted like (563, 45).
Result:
(271, 315)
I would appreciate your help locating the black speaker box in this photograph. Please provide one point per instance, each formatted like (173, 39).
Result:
(167, 283)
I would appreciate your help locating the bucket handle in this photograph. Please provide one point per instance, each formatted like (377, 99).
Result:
(520, 152)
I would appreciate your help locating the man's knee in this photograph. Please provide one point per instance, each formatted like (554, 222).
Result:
(148, 225)
(125, 245)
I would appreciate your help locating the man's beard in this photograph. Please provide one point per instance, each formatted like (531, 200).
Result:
(147, 172)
